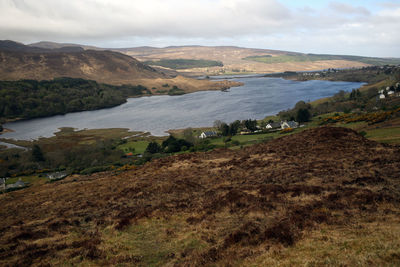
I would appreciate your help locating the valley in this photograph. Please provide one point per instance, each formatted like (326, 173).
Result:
(199, 133)
(114, 194)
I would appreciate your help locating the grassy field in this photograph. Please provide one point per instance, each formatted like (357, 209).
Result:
(384, 135)
(153, 240)
(314, 57)
(31, 179)
(288, 58)
(136, 147)
(358, 244)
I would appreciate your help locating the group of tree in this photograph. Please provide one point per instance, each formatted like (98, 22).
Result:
(29, 98)
(300, 113)
(355, 93)
(169, 145)
(74, 157)
(234, 127)
(231, 129)
(342, 101)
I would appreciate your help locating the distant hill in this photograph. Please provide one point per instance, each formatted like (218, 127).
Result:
(236, 60)
(250, 60)
(52, 60)
(12, 46)
(54, 45)
(19, 61)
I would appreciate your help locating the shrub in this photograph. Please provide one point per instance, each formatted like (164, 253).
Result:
(153, 147)
(286, 130)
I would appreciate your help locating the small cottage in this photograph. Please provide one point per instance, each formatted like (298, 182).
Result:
(207, 134)
(273, 125)
(289, 124)
(381, 96)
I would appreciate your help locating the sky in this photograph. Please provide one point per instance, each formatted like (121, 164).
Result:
(352, 27)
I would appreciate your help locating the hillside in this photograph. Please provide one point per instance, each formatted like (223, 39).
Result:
(54, 45)
(301, 199)
(242, 60)
(236, 60)
(26, 62)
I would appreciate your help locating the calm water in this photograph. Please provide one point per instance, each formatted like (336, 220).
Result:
(258, 98)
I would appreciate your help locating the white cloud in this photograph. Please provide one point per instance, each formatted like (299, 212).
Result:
(335, 28)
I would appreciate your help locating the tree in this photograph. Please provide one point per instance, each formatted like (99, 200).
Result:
(339, 96)
(218, 124)
(171, 144)
(168, 141)
(188, 135)
(225, 129)
(250, 124)
(355, 93)
(303, 115)
(301, 104)
(234, 127)
(37, 153)
(153, 147)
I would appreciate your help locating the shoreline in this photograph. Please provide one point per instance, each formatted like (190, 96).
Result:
(218, 86)
(166, 132)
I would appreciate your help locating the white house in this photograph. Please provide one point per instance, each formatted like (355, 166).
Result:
(380, 91)
(390, 93)
(273, 125)
(381, 96)
(289, 124)
(207, 134)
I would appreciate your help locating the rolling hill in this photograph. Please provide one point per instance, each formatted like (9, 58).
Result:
(25, 62)
(50, 61)
(303, 199)
(236, 60)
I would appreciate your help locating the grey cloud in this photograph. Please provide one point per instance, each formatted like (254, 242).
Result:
(349, 9)
(256, 23)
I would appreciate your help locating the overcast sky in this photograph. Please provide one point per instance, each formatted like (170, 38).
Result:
(358, 27)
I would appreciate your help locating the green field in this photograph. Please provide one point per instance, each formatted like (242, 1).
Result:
(136, 147)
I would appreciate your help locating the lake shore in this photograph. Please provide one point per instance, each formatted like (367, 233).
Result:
(256, 99)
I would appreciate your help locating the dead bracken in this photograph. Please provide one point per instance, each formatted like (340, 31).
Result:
(234, 205)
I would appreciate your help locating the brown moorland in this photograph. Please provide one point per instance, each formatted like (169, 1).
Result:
(324, 188)
(234, 59)
(19, 61)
